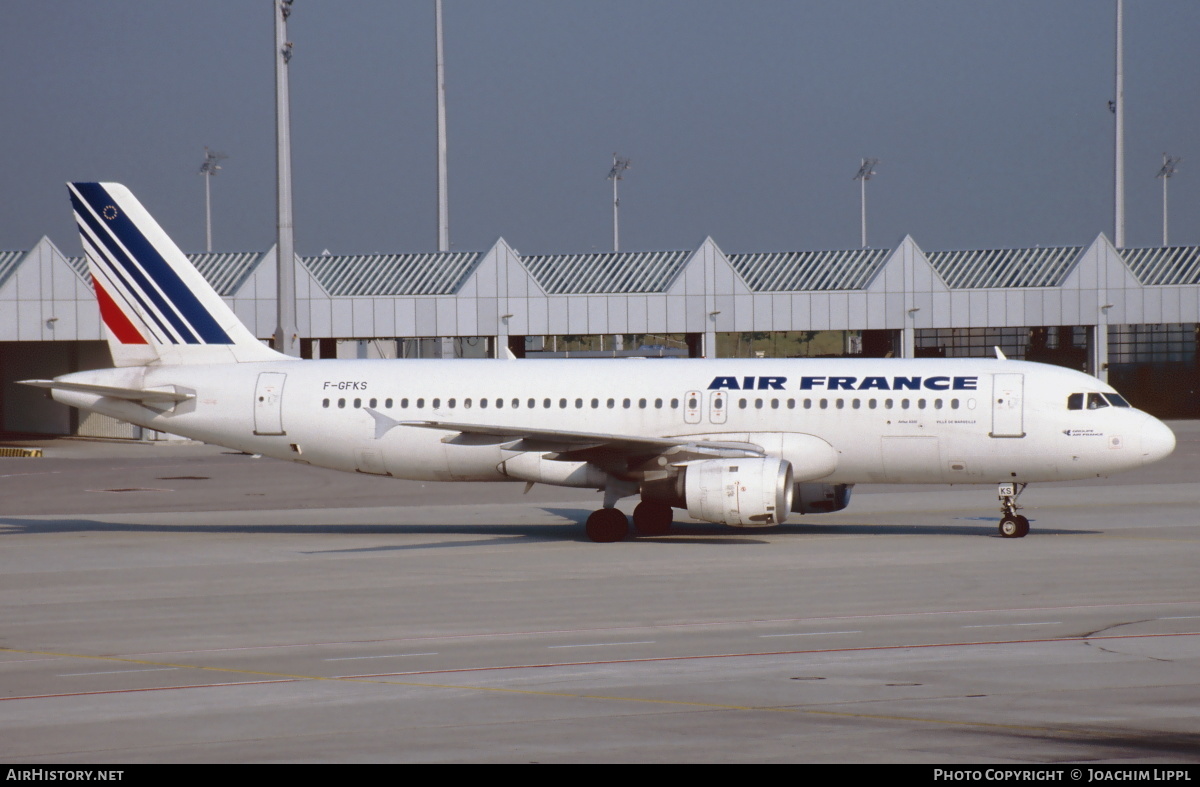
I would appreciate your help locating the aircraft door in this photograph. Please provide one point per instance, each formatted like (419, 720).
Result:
(268, 403)
(717, 404)
(691, 407)
(1008, 405)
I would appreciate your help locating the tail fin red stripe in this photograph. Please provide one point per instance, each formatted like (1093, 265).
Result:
(115, 319)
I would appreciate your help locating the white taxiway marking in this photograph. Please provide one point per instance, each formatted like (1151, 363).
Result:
(810, 634)
(391, 656)
(118, 671)
(1181, 617)
(604, 644)
(1006, 625)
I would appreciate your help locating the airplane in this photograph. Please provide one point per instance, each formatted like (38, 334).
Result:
(744, 443)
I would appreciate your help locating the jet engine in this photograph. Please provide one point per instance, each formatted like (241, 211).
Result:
(753, 492)
(820, 498)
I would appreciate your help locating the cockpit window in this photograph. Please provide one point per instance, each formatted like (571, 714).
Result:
(1116, 400)
(1095, 401)
(1075, 401)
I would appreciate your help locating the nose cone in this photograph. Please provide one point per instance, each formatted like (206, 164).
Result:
(1158, 441)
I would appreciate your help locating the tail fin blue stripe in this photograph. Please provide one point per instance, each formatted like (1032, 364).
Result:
(183, 302)
(120, 272)
(158, 331)
(131, 276)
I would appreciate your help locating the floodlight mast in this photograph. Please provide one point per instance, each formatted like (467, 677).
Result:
(287, 335)
(443, 193)
(1118, 109)
(862, 176)
(208, 169)
(1170, 163)
(615, 174)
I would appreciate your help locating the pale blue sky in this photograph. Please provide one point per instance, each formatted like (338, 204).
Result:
(744, 120)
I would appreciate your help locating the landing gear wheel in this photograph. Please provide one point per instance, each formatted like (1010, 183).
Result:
(1012, 524)
(653, 519)
(1015, 526)
(607, 525)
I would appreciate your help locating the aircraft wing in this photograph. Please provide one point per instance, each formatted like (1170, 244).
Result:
(132, 394)
(580, 445)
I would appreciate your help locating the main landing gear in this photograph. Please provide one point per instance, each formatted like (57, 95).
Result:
(609, 524)
(1012, 524)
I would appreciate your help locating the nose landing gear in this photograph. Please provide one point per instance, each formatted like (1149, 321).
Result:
(1012, 524)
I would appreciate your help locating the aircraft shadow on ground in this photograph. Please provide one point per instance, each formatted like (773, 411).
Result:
(570, 530)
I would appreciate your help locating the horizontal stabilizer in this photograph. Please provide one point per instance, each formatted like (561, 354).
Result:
(132, 394)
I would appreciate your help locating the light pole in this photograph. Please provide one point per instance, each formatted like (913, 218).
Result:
(1168, 169)
(286, 332)
(1118, 109)
(864, 174)
(208, 169)
(442, 190)
(618, 168)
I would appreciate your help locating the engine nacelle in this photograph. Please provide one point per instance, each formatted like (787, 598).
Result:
(754, 492)
(820, 498)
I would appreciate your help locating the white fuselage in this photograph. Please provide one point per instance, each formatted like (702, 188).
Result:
(888, 420)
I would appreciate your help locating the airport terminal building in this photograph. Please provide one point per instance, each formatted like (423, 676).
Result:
(1129, 316)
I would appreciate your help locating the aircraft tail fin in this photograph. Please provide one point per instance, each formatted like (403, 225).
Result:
(156, 307)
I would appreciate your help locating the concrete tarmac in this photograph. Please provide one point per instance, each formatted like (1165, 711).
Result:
(189, 604)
